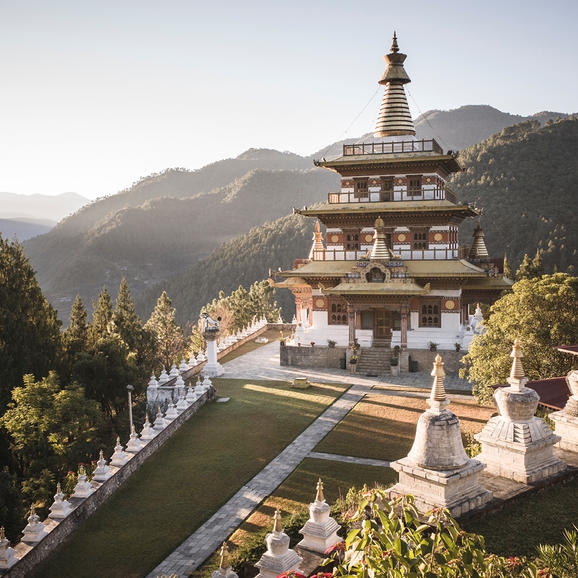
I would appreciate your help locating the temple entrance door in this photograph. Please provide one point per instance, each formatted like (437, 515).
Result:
(382, 322)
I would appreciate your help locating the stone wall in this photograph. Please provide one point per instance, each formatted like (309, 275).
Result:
(425, 359)
(317, 356)
(62, 530)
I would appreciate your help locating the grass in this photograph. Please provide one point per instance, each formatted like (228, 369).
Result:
(197, 471)
(534, 519)
(383, 426)
(294, 495)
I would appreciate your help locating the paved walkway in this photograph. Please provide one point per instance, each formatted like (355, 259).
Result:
(263, 363)
(202, 543)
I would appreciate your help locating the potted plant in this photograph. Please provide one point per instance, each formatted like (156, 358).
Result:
(458, 346)
(394, 365)
(353, 363)
(312, 343)
(433, 346)
(331, 343)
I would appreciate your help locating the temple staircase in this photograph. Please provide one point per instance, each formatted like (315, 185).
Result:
(374, 361)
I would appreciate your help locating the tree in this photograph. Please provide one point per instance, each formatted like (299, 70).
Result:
(543, 313)
(537, 264)
(76, 334)
(101, 317)
(50, 426)
(168, 336)
(530, 268)
(507, 269)
(30, 339)
(126, 322)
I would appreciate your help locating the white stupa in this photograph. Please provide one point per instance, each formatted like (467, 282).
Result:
(147, 433)
(34, 530)
(83, 487)
(163, 377)
(102, 471)
(7, 554)
(61, 506)
(134, 444)
(160, 422)
(119, 457)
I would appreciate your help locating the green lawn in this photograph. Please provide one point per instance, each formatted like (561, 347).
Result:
(537, 518)
(197, 471)
(383, 426)
(294, 495)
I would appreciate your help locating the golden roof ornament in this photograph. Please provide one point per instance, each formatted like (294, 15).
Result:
(319, 497)
(394, 117)
(517, 379)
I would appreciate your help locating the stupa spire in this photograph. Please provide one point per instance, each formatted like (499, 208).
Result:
(277, 522)
(319, 497)
(517, 377)
(379, 249)
(394, 117)
(438, 399)
(479, 249)
(317, 248)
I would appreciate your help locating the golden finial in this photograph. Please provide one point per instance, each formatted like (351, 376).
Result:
(517, 377)
(394, 46)
(101, 455)
(317, 226)
(117, 440)
(319, 497)
(277, 522)
(32, 511)
(2, 535)
(379, 223)
(438, 392)
(132, 430)
(224, 557)
(81, 470)
(58, 488)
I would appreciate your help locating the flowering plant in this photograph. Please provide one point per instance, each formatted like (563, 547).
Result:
(291, 574)
(312, 343)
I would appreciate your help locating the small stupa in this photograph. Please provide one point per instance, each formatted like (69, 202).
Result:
(7, 554)
(147, 433)
(83, 488)
(183, 366)
(160, 422)
(437, 470)
(171, 413)
(153, 381)
(279, 557)
(191, 396)
(201, 357)
(134, 444)
(192, 360)
(380, 251)
(61, 506)
(320, 531)
(567, 419)
(35, 529)
(102, 471)
(207, 383)
(119, 457)
(163, 377)
(182, 403)
(173, 372)
(516, 444)
(224, 570)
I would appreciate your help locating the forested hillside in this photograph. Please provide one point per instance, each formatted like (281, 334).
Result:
(238, 262)
(525, 179)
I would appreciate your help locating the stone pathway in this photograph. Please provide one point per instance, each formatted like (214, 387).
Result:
(263, 363)
(202, 543)
(349, 459)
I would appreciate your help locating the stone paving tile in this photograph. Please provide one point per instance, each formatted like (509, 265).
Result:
(349, 459)
(202, 543)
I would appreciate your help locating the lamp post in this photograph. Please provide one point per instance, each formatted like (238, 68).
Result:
(130, 389)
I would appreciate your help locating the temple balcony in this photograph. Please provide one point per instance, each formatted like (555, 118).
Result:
(434, 254)
(385, 148)
(426, 194)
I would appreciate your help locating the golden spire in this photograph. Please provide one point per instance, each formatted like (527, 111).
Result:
(319, 497)
(58, 488)
(224, 557)
(394, 117)
(277, 522)
(379, 249)
(101, 455)
(2, 534)
(317, 249)
(438, 399)
(517, 377)
(479, 249)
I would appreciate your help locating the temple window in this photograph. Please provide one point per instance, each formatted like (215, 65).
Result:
(337, 312)
(420, 239)
(414, 185)
(430, 314)
(351, 241)
(386, 193)
(360, 187)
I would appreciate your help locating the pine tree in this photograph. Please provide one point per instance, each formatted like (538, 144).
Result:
(526, 269)
(507, 270)
(168, 336)
(537, 265)
(30, 339)
(126, 322)
(101, 317)
(76, 334)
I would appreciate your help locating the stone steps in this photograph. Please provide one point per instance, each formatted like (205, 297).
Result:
(374, 361)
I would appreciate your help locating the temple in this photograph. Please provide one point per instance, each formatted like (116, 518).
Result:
(390, 270)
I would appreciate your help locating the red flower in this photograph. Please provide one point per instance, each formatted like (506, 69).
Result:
(339, 547)
(291, 574)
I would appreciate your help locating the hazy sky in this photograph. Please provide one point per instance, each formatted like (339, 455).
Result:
(94, 95)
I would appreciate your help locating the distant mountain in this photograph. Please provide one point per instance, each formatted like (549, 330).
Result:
(524, 178)
(24, 229)
(157, 238)
(241, 261)
(455, 129)
(39, 207)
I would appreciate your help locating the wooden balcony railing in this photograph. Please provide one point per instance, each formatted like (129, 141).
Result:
(405, 254)
(385, 148)
(436, 194)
